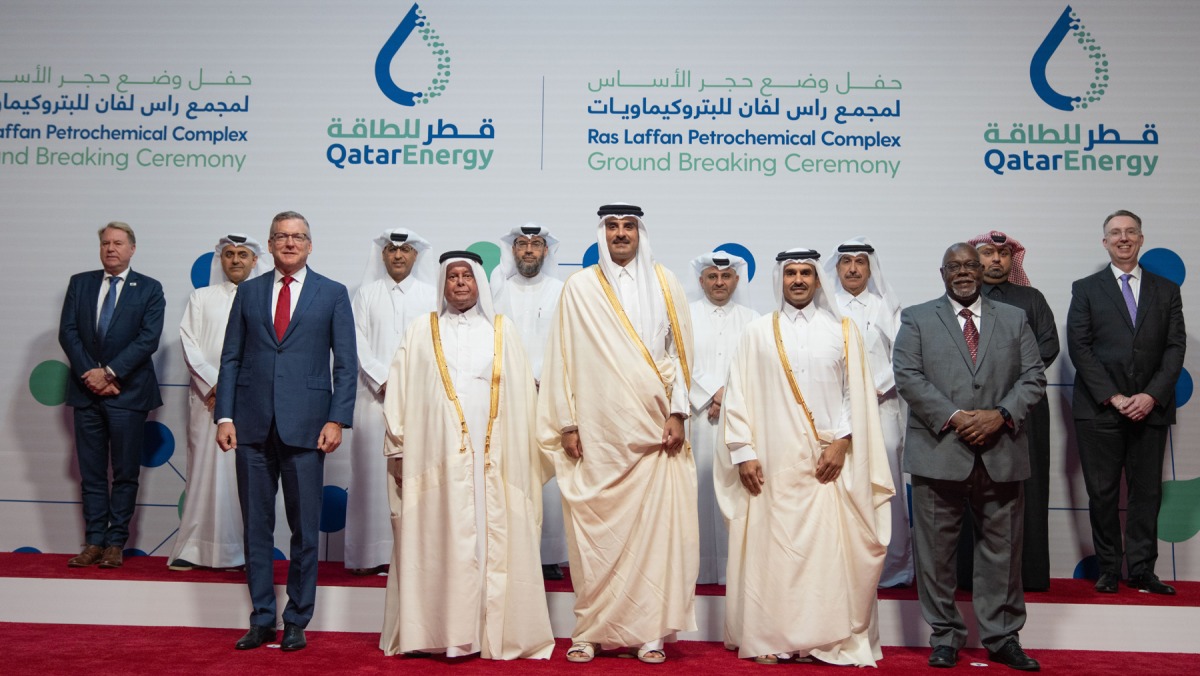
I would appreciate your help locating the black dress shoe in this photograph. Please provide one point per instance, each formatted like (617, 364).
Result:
(1151, 584)
(943, 657)
(1107, 583)
(293, 637)
(256, 637)
(551, 571)
(1011, 655)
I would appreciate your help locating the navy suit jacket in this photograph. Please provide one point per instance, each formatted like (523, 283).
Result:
(290, 380)
(132, 338)
(1112, 356)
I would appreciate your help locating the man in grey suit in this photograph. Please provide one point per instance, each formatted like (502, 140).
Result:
(970, 371)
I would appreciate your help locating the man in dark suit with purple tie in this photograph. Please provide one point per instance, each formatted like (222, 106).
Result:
(110, 327)
(283, 408)
(1126, 338)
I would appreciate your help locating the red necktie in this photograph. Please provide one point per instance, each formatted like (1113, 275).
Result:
(283, 308)
(969, 332)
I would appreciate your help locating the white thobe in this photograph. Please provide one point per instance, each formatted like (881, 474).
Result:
(805, 556)
(717, 329)
(467, 343)
(465, 576)
(210, 528)
(878, 329)
(383, 310)
(630, 508)
(530, 304)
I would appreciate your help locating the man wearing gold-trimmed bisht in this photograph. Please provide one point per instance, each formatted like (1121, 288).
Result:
(611, 412)
(805, 483)
(465, 482)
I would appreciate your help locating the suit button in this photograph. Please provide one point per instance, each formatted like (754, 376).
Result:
(977, 386)
(279, 350)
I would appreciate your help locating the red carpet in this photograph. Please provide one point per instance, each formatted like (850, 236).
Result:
(80, 649)
(334, 574)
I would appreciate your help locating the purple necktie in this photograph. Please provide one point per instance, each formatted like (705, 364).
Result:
(1130, 303)
(970, 333)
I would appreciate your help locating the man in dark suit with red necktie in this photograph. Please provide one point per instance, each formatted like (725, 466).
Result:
(282, 407)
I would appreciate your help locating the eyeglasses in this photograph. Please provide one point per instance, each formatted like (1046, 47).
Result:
(535, 244)
(281, 237)
(403, 248)
(969, 265)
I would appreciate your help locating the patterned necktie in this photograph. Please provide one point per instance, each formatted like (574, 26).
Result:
(970, 333)
(107, 308)
(283, 308)
(1130, 303)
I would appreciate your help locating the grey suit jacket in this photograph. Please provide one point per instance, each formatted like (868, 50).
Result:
(934, 374)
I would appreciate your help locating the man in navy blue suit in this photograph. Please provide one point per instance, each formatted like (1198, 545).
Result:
(281, 408)
(111, 323)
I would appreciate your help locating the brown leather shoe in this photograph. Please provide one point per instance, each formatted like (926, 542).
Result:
(112, 557)
(90, 556)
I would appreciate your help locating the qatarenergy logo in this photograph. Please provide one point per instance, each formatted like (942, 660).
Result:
(414, 21)
(1030, 146)
(1068, 23)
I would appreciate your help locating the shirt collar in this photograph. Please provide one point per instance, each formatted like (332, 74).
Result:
(711, 307)
(1135, 273)
(124, 275)
(470, 312)
(793, 313)
(405, 285)
(297, 277)
(521, 280)
(845, 298)
(975, 307)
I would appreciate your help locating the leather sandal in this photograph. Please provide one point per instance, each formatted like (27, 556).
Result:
(581, 651)
(655, 656)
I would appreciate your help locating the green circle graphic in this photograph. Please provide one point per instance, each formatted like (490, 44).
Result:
(489, 252)
(48, 382)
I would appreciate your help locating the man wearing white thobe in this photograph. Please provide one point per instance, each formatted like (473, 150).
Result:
(397, 288)
(464, 476)
(210, 527)
(611, 415)
(525, 289)
(719, 315)
(805, 483)
(863, 294)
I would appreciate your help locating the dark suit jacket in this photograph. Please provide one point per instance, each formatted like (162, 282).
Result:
(289, 381)
(1037, 311)
(132, 338)
(1112, 356)
(935, 375)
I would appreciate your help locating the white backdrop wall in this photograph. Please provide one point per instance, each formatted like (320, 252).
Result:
(192, 120)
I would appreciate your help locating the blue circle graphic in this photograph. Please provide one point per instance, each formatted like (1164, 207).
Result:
(1165, 263)
(278, 555)
(158, 444)
(201, 270)
(333, 509)
(27, 550)
(1183, 388)
(1088, 568)
(739, 250)
(591, 256)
